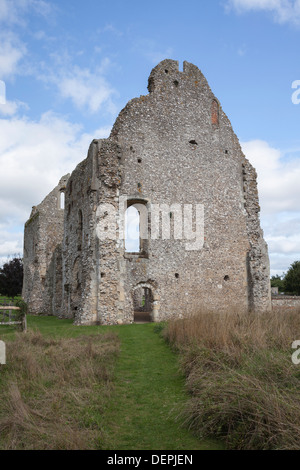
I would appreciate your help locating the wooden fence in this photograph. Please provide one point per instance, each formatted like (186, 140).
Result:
(8, 313)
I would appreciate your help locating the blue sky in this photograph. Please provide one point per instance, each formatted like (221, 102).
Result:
(70, 66)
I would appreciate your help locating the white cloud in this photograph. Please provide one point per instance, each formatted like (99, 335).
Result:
(278, 177)
(14, 19)
(12, 11)
(8, 246)
(85, 88)
(279, 194)
(11, 53)
(10, 108)
(33, 157)
(284, 11)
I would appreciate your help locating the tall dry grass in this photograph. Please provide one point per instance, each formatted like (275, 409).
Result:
(244, 387)
(53, 391)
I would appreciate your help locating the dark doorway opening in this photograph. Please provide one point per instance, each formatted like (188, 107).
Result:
(143, 305)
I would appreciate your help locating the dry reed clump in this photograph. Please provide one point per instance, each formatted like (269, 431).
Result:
(53, 391)
(244, 386)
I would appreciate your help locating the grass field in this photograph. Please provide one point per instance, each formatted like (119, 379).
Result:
(93, 387)
(244, 386)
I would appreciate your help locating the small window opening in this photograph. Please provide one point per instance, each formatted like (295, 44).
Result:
(226, 278)
(166, 71)
(226, 152)
(193, 142)
(177, 275)
(139, 160)
(136, 229)
(176, 83)
(132, 230)
(62, 200)
(102, 274)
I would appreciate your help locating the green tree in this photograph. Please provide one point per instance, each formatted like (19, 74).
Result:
(292, 279)
(278, 281)
(11, 277)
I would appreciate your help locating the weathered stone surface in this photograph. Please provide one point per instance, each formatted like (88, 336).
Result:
(43, 233)
(281, 302)
(172, 146)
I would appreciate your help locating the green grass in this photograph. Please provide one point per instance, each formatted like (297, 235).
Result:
(148, 391)
(149, 395)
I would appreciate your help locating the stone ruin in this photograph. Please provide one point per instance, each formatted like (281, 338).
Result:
(172, 154)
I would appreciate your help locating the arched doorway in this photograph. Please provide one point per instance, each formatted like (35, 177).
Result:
(143, 304)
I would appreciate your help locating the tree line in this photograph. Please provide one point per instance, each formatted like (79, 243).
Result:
(11, 277)
(288, 283)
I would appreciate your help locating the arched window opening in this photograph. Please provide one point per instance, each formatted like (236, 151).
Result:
(136, 229)
(132, 230)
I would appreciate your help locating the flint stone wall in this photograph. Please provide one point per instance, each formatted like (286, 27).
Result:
(283, 301)
(172, 146)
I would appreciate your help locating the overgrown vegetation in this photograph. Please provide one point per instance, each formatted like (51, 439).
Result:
(23, 309)
(55, 396)
(292, 279)
(278, 281)
(288, 283)
(244, 387)
(53, 391)
(11, 277)
(8, 315)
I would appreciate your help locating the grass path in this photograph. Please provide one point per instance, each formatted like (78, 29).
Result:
(149, 393)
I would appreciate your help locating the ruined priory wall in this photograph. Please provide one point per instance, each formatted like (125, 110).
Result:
(32, 282)
(77, 242)
(91, 264)
(172, 146)
(281, 302)
(43, 233)
(178, 147)
(258, 265)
